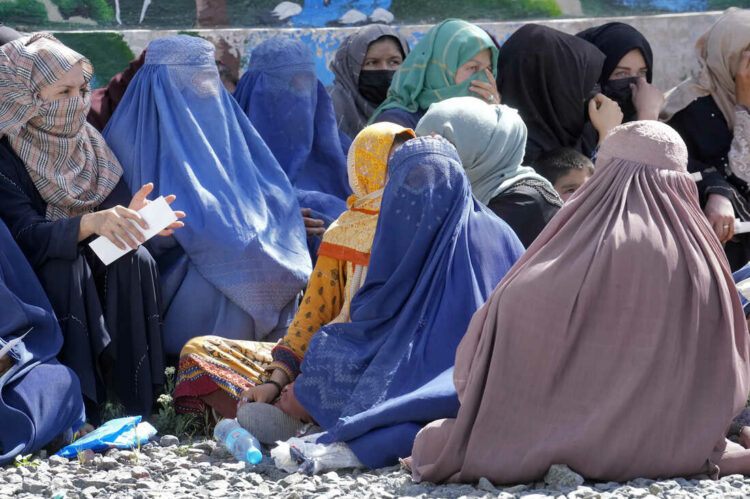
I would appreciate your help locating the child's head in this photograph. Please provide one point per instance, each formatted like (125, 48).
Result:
(566, 169)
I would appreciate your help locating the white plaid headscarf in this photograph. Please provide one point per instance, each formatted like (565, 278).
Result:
(67, 159)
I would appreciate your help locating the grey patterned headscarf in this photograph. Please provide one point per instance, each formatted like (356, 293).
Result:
(353, 110)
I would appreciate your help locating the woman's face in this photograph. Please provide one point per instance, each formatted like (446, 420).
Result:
(72, 84)
(383, 53)
(476, 64)
(632, 65)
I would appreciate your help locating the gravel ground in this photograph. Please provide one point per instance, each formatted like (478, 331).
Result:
(167, 468)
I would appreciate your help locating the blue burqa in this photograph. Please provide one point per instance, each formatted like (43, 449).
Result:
(290, 108)
(437, 255)
(40, 399)
(237, 266)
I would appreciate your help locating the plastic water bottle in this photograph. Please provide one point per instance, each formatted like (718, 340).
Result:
(238, 441)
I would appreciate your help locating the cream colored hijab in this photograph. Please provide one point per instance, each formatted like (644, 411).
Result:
(719, 51)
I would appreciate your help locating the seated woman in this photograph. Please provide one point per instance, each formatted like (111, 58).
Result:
(373, 381)
(552, 86)
(363, 69)
(40, 400)
(238, 268)
(639, 360)
(490, 140)
(712, 114)
(290, 108)
(105, 100)
(60, 185)
(626, 76)
(214, 371)
(453, 59)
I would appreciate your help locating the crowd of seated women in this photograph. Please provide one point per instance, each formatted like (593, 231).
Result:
(479, 259)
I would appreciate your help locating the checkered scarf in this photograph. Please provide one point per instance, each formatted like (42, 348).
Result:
(67, 159)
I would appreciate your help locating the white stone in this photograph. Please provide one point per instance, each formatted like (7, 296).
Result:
(561, 477)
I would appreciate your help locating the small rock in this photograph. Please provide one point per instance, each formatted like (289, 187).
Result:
(57, 461)
(486, 485)
(200, 458)
(42, 454)
(293, 479)
(139, 472)
(561, 477)
(90, 492)
(217, 484)
(34, 486)
(256, 479)
(107, 463)
(220, 452)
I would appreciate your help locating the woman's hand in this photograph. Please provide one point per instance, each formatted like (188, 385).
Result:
(742, 80)
(139, 201)
(266, 392)
(745, 437)
(720, 214)
(647, 99)
(487, 91)
(260, 393)
(5, 363)
(115, 224)
(605, 114)
(313, 226)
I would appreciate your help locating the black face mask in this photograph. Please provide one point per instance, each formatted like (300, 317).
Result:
(620, 92)
(373, 85)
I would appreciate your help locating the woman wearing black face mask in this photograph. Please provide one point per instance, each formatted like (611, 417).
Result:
(626, 75)
(363, 68)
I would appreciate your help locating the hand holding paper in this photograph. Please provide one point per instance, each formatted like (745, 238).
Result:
(157, 215)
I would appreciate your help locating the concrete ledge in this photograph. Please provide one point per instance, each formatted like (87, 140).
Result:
(672, 37)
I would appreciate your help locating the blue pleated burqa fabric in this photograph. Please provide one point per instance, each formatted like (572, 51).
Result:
(437, 255)
(290, 108)
(237, 266)
(39, 398)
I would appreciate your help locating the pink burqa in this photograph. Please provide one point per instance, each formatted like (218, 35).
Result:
(616, 345)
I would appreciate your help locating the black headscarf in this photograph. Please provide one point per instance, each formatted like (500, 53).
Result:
(548, 76)
(351, 107)
(616, 40)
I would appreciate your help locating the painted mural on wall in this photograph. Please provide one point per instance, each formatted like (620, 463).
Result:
(186, 14)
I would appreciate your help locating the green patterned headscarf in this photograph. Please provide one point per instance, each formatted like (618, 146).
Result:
(429, 71)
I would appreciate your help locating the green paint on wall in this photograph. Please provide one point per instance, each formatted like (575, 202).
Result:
(23, 12)
(108, 52)
(409, 11)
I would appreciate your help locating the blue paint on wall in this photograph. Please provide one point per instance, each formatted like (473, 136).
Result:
(318, 13)
(668, 5)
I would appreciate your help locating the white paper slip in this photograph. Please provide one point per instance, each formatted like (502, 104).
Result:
(741, 227)
(697, 176)
(157, 214)
(12, 343)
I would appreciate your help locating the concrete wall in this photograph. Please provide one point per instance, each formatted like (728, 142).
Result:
(672, 37)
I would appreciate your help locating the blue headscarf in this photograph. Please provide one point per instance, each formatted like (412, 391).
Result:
(290, 108)
(742, 280)
(437, 255)
(39, 398)
(180, 129)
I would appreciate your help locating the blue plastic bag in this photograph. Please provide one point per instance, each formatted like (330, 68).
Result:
(122, 433)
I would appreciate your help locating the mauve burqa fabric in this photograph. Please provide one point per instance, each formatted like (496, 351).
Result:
(634, 358)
